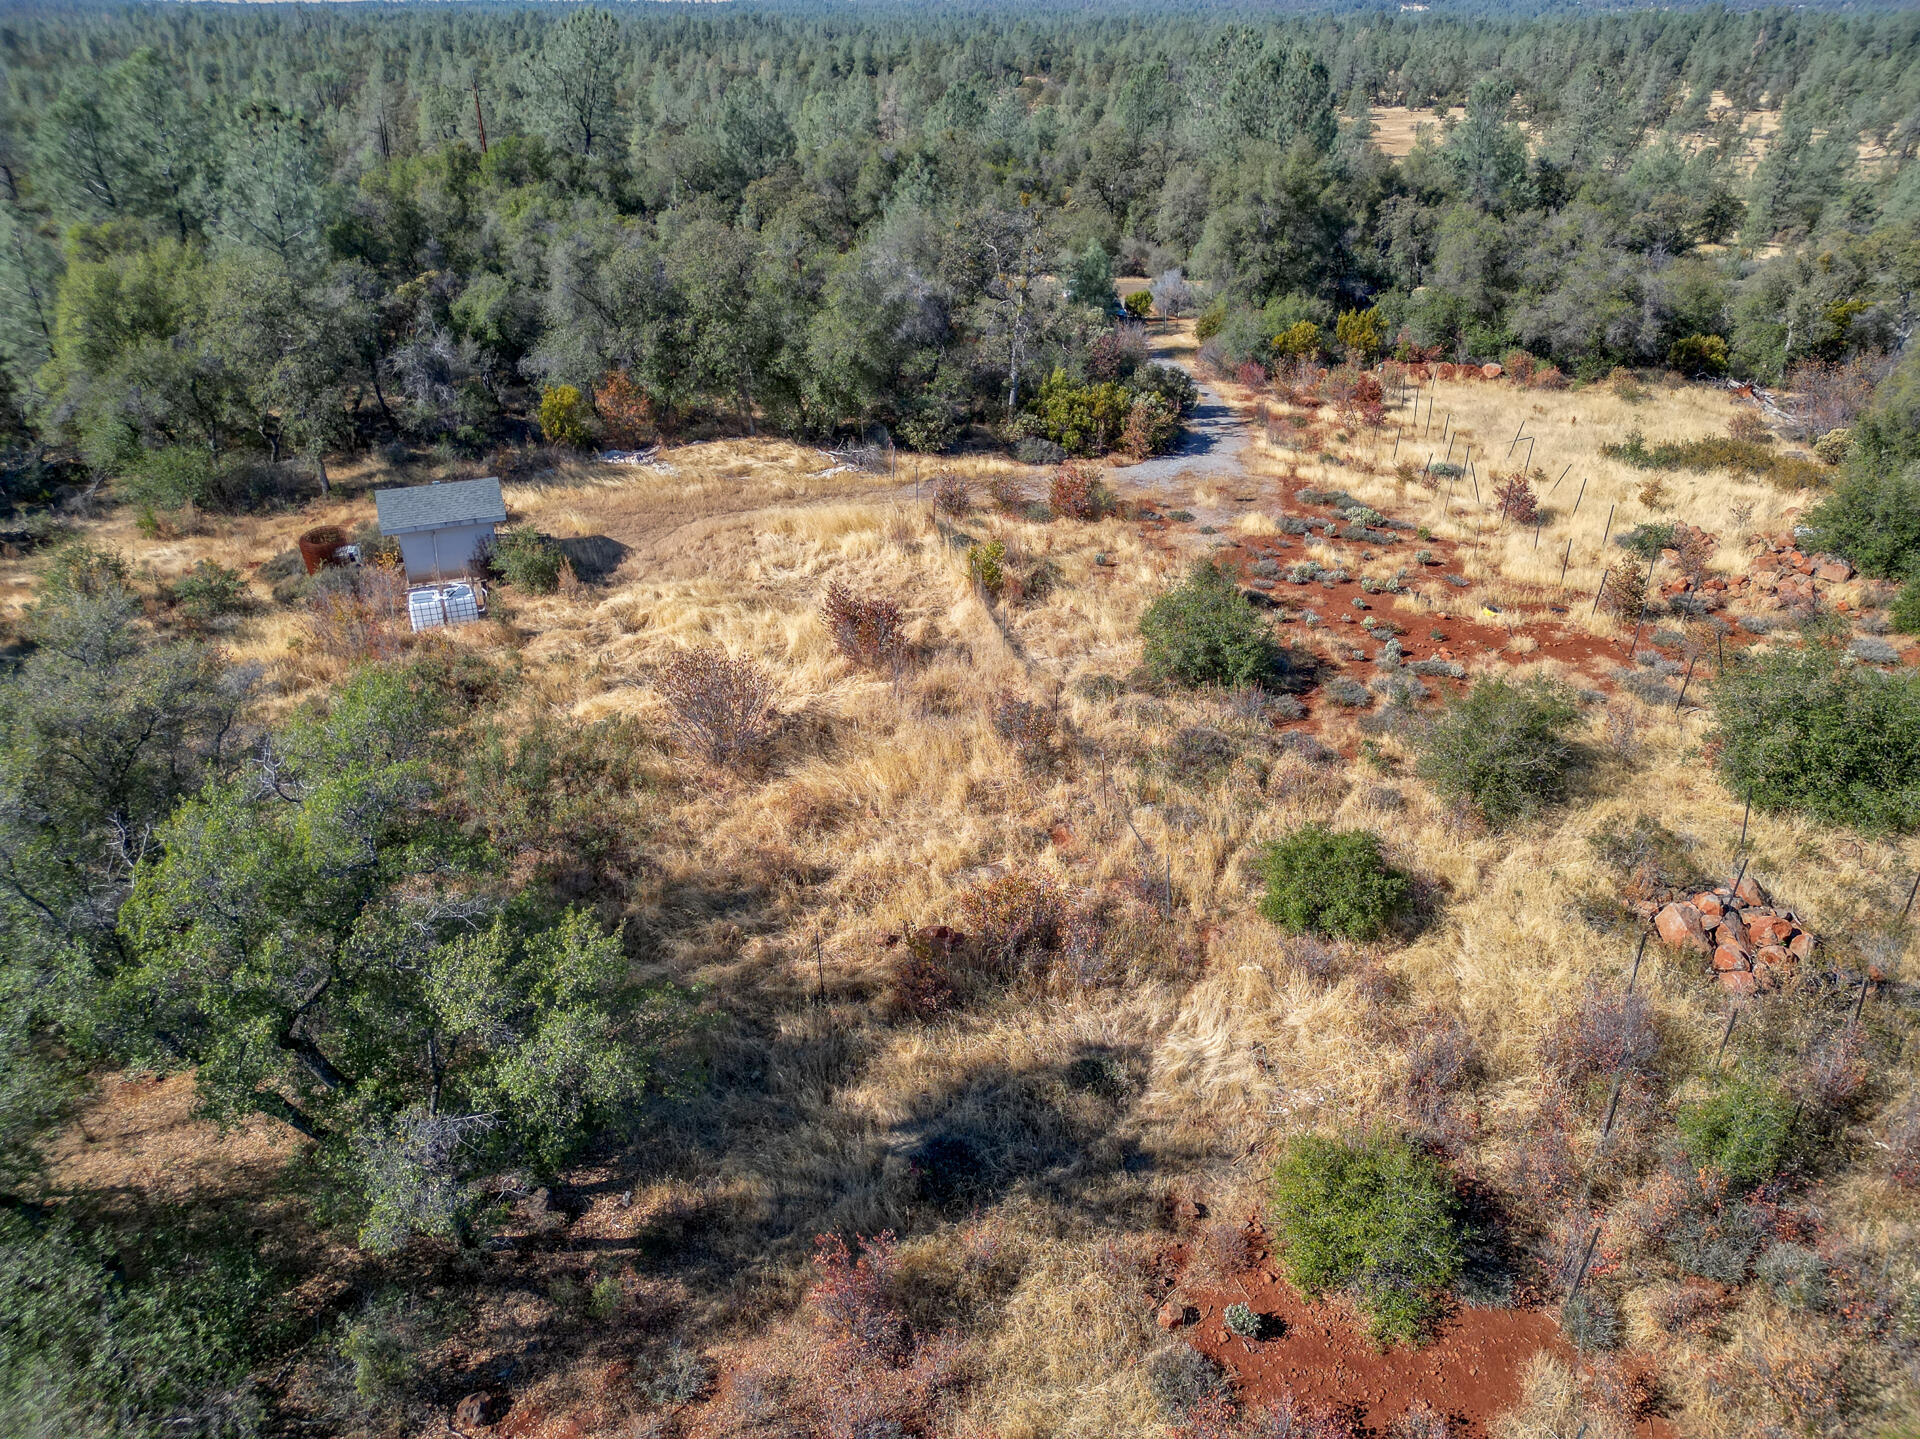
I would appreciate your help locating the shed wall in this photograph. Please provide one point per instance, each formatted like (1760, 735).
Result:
(443, 554)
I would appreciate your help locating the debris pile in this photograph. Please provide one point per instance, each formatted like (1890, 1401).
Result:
(1751, 943)
(1791, 577)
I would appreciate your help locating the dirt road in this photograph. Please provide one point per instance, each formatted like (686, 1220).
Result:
(1215, 432)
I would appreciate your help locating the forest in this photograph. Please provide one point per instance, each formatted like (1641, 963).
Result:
(236, 238)
(604, 1061)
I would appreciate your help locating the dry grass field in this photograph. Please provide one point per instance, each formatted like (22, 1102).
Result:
(1488, 425)
(1193, 1040)
(1397, 129)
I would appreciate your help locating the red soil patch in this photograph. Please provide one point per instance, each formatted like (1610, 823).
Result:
(1470, 1371)
(1467, 633)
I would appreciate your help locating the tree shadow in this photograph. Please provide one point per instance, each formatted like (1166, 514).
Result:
(1054, 1129)
(594, 557)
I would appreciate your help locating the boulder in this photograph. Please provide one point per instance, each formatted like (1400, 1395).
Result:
(1173, 1314)
(1710, 905)
(1773, 956)
(1801, 946)
(1748, 891)
(1768, 931)
(1834, 572)
(1727, 959)
(478, 1410)
(1679, 925)
(1490, 372)
(1740, 981)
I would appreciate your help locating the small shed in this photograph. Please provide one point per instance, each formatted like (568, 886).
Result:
(443, 528)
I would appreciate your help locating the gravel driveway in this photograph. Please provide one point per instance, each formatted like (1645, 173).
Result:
(1210, 446)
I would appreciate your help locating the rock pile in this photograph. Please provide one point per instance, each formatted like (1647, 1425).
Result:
(1781, 570)
(1751, 943)
(1687, 549)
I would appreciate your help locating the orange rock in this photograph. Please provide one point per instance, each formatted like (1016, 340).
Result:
(1762, 932)
(1801, 945)
(1709, 905)
(1490, 372)
(1834, 572)
(1726, 959)
(1773, 956)
(1750, 892)
(1679, 925)
(1740, 981)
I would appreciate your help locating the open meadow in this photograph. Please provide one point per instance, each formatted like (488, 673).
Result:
(1062, 1142)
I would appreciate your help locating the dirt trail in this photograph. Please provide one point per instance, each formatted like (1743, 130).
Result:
(1215, 433)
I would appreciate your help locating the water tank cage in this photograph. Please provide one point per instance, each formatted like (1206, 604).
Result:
(431, 606)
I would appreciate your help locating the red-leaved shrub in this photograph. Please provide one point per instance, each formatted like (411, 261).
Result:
(851, 1295)
(1077, 492)
(1604, 1034)
(721, 708)
(952, 495)
(1517, 500)
(866, 629)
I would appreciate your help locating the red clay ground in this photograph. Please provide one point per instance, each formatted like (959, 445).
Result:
(1467, 634)
(1468, 631)
(1470, 1370)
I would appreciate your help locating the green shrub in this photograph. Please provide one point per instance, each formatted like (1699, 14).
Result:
(122, 1334)
(1647, 540)
(171, 479)
(1300, 340)
(1361, 334)
(1590, 1322)
(1180, 1377)
(986, 565)
(1699, 355)
(1834, 446)
(1504, 747)
(1795, 1275)
(1211, 319)
(1904, 613)
(1873, 519)
(1373, 1215)
(1205, 633)
(679, 1376)
(76, 570)
(1744, 1128)
(1139, 304)
(528, 560)
(565, 418)
(1331, 883)
(1171, 383)
(1081, 419)
(1719, 452)
(1803, 729)
(384, 1344)
(209, 590)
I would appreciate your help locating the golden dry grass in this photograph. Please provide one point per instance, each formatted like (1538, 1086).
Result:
(1480, 420)
(1397, 129)
(889, 799)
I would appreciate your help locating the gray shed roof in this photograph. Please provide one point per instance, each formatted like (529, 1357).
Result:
(439, 506)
